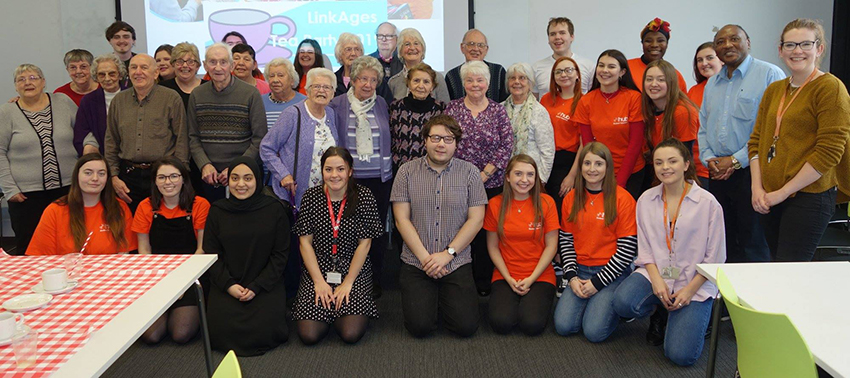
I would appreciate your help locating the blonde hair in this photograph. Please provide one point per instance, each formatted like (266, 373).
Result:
(346, 39)
(811, 24)
(410, 33)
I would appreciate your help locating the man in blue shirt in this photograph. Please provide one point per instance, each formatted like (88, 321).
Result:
(727, 117)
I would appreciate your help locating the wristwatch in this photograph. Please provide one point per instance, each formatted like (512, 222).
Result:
(451, 251)
(735, 163)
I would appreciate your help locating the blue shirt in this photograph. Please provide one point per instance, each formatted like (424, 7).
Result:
(729, 109)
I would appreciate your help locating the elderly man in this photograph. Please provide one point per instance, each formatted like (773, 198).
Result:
(387, 37)
(561, 33)
(143, 124)
(474, 47)
(122, 37)
(226, 119)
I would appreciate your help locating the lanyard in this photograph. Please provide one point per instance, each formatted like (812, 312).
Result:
(335, 221)
(672, 231)
(781, 112)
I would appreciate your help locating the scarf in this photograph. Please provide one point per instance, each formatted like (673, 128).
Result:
(363, 131)
(256, 201)
(520, 122)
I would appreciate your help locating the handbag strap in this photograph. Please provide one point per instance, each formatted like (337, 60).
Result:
(297, 142)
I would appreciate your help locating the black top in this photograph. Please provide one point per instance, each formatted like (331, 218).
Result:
(172, 83)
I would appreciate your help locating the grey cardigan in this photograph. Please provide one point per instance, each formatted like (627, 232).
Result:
(20, 148)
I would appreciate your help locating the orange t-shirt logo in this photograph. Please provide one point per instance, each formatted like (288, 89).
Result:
(104, 228)
(621, 120)
(600, 215)
(563, 116)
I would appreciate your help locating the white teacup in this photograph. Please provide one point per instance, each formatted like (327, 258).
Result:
(54, 279)
(8, 324)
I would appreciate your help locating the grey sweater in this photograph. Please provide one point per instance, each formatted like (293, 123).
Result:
(20, 147)
(225, 125)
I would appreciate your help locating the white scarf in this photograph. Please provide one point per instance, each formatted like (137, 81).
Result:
(520, 122)
(363, 134)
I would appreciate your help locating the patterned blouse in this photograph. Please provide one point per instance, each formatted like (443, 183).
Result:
(407, 116)
(487, 138)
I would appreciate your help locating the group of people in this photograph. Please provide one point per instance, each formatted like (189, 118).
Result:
(489, 175)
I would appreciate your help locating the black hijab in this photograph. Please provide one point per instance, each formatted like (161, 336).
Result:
(256, 201)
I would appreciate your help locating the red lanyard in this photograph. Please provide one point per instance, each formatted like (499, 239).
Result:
(672, 232)
(335, 221)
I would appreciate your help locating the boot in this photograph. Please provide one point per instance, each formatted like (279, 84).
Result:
(657, 326)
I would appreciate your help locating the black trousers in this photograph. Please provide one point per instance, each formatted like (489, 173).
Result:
(381, 191)
(745, 239)
(482, 266)
(560, 168)
(453, 297)
(138, 180)
(25, 216)
(634, 185)
(794, 227)
(531, 311)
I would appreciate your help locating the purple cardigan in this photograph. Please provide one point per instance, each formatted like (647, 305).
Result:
(278, 150)
(342, 107)
(91, 118)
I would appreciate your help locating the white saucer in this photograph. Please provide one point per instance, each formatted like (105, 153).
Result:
(39, 288)
(18, 332)
(27, 302)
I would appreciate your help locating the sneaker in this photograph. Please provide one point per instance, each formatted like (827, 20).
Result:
(626, 320)
(657, 327)
(562, 285)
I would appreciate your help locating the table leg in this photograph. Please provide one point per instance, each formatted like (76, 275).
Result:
(205, 332)
(715, 333)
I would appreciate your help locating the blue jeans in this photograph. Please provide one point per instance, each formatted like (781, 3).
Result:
(686, 327)
(594, 315)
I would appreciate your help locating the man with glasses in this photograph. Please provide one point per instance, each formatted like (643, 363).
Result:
(122, 37)
(387, 36)
(226, 119)
(474, 47)
(561, 34)
(438, 205)
(143, 124)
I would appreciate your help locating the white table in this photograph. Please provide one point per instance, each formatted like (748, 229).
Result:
(108, 343)
(814, 295)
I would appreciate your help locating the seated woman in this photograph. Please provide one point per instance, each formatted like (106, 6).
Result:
(336, 225)
(521, 245)
(249, 231)
(598, 245)
(175, 227)
(679, 225)
(89, 219)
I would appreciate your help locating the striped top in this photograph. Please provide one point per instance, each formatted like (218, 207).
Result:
(42, 123)
(439, 204)
(377, 164)
(273, 109)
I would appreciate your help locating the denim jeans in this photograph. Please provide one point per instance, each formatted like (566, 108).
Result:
(686, 327)
(594, 315)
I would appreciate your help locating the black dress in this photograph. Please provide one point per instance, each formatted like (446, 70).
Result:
(314, 219)
(252, 249)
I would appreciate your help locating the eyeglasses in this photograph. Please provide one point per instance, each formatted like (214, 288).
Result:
(437, 138)
(190, 62)
(23, 79)
(321, 87)
(385, 37)
(370, 80)
(104, 75)
(562, 71)
(351, 49)
(479, 45)
(805, 45)
(173, 177)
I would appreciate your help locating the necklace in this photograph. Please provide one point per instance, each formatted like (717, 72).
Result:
(608, 96)
(595, 196)
(519, 210)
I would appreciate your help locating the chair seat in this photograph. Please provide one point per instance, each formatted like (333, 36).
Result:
(835, 238)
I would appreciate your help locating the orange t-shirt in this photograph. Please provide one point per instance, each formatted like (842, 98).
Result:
(594, 242)
(144, 214)
(637, 67)
(53, 234)
(610, 120)
(685, 124)
(302, 85)
(523, 243)
(695, 94)
(567, 134)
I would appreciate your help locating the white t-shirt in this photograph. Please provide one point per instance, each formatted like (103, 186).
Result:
(543, 69)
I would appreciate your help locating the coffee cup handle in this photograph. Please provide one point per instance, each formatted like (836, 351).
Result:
(291, 28)
(19, 323)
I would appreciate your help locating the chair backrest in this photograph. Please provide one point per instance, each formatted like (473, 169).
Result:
(229, 367)
(769, 345)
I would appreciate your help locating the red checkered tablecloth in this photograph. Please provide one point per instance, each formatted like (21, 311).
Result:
(108, 285)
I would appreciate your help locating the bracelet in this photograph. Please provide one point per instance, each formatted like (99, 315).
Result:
(571, 280)
(756, 156)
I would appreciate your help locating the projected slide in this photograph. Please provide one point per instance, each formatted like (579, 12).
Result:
(274, 28)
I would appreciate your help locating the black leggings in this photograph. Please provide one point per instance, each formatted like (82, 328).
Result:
(350, 328)
(531, 311)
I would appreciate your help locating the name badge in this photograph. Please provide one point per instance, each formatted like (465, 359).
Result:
(334, 278)
(670, 273)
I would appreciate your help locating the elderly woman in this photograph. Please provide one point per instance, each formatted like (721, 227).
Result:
(409, 114)
(162, 56)
(186, 62)
(487, 143)
(533, 132)
(37, 152)
(245, 67)
(347, 49)
(306, 58)
(363, 125)
(411, 50)
(78, 64)
(283, 82)
(90, 127)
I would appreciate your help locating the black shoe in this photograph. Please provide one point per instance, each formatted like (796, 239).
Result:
(376, 291)
(483, 292)
(708, 331)
(657, 326)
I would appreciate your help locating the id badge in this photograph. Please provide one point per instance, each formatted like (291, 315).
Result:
(670, 273)
(334, 278)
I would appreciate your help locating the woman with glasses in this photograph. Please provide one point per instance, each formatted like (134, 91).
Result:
(90, 128)
(798, 148)
(186, 62)
(175, 227)
(308, 56)
(411, 50)
(78, 63)
(37, 151)
(561, 101)
(533, 133)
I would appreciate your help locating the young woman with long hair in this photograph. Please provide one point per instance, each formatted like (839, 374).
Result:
(561, 102)
(706, 65)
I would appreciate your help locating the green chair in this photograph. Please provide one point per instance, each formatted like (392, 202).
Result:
(229, 367)
(768, 344)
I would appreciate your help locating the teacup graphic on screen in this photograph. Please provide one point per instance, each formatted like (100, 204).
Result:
(257, 27)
